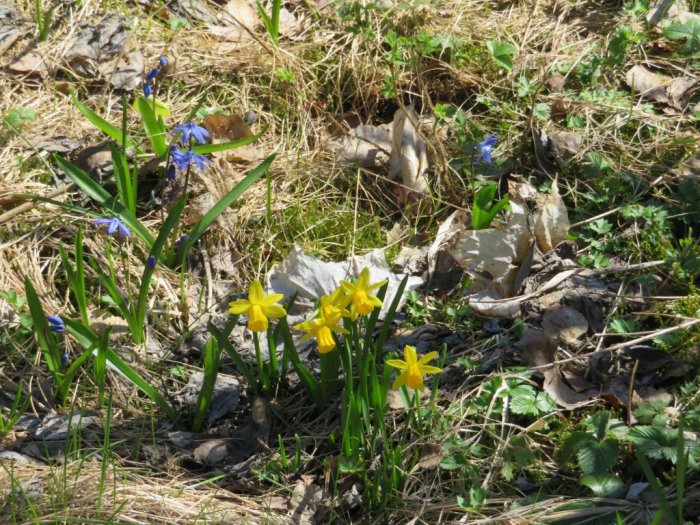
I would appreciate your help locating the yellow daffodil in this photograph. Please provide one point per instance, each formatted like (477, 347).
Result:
(322, 329)
(337, 302)
(362, 301)
(413, 368)
(258, 307)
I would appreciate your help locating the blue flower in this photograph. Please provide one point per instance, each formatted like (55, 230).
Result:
(485, 147)
(113, 225)
(151, 262)
(147, 90)
(170, 174)
(163, 61)
(56, 324)
(183, 159)
(65, 360)
(152, 74)
(190, 130)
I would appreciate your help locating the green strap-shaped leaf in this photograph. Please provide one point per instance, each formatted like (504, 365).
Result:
(105, 127)
(98, 193)
(87, 338)
(222, 205)
(153, 126)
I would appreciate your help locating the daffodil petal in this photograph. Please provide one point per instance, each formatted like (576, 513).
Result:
(410, 355)
(400, 381)
(427, 369)
(238, 307)
(272, 299)
(256, 293)
(377, 285)
(274, 311)
(397, 363)
(427, 358)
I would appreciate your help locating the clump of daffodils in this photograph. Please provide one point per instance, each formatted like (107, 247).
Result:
(348, 300)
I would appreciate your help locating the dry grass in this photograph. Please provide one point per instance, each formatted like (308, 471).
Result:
(335, 71)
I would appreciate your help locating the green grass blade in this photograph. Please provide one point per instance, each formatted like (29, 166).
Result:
(168, 226)
(211, 370)
(87, 338)
(105, 127)
(658, 490)
(41, 327)
(122, 176)
(241, 366)
(222, 205)
(99, 194)
(116, 296)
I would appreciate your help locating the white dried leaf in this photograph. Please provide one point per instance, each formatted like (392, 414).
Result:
(368, 146)
(409, 158)
(552, 225)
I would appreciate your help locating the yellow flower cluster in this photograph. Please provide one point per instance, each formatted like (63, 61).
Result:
(349, 300)
(356, 296)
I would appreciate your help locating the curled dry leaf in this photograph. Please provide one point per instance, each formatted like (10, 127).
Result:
(564, 323)
(409, 158)
(124, 73)
(552, 225)
(29, 65)
(94, 45)
(539, 349)
(674, 92)
(234, 22)
(368, 146)
(10, 28)
(672, 10)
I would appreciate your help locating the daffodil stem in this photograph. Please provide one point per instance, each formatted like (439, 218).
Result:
(264, 379)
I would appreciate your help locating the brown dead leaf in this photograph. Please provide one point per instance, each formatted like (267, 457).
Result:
(567, 143)
(126, 72)
(94, 45)
(564, 323)
(556, 83)
(675, 92)
(430, 457)
(211, 452)
(552, 226)
(10, 28)
(235, 21)
(538, 349)
(409, 157)
(29, 65)
(559, 108)
(228, 127)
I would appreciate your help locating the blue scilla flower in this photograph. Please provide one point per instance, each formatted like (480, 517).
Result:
(182, 159)
(56, 324)
(163, 61)
(485, 148)
(147, 90)
(114, 225)
(152, 74)
(65, 360)
(151, 262)
(190, 130)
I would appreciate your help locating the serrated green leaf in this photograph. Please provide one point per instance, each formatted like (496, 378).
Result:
(541, 111)
(18, 116)
(573, 443)
(597, 457)
(502, 53)
(604, 485)
(657, 443)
